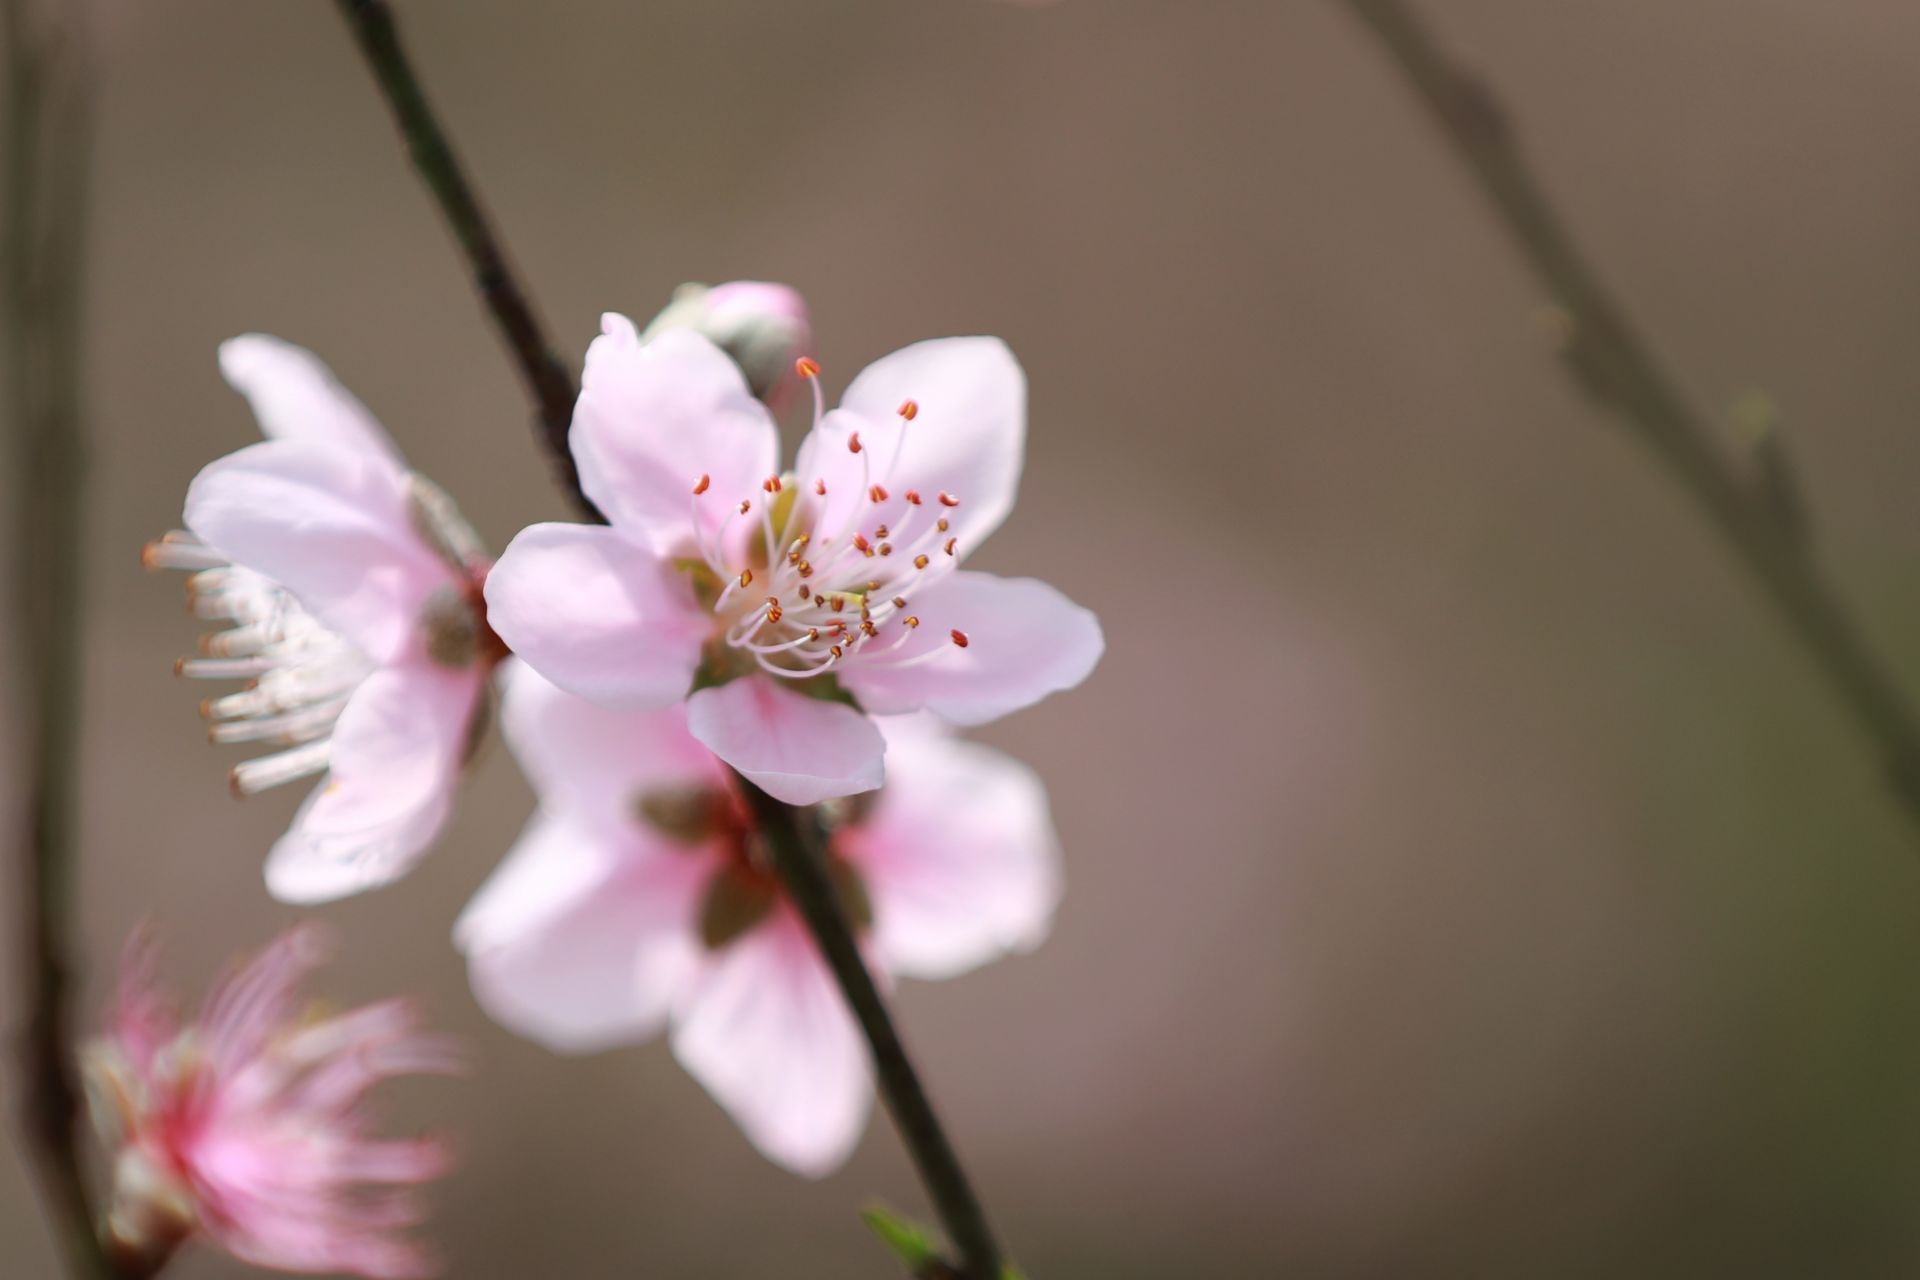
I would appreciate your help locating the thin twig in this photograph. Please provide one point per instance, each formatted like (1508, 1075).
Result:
(545, 374)
(49, 128)
(1615, 367)
(787, 829)
(792, 839)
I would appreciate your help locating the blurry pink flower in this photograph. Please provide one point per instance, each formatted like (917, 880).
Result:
(249, 1124)
(639, 897)
(716, 565)
(761, 326)
(353, 588)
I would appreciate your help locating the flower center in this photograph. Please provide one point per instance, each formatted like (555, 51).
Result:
(742, 889)
(813, 591)
(453, 623)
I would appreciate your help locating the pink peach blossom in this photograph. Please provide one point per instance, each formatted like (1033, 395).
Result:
(248, 1125)
(352, 587)
(755, 590)
(639, 899)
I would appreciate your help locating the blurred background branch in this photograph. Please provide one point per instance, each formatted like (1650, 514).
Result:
(796, 858)
(1618, 371)
(49, 131)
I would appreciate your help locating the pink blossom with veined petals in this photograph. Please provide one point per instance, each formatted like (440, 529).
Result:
(249, 1124)
(846, 569)
(352, 586)
(637, 900)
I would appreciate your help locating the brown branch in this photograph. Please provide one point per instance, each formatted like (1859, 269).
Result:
(548, 383)
(792, 838)
(787, 828)
(1620, 372)
(49, 129)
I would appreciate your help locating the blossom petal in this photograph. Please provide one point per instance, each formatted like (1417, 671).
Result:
(395, 762)
(958, 855)
(590, 762)
(768, 1034)
(967, 438)
(583, 938)
(1024, 641)
(596, 614)
(332, 527)
(797, 749)
(296, 397)
(654, 418)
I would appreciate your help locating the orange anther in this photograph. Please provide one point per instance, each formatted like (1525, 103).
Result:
(948, 500)
(959, 638)
(705, 480)
(807, 367)
(909, 409)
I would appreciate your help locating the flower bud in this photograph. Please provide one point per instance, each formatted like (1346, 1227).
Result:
(762, 326)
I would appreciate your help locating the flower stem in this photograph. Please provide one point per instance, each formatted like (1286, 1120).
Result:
(49, 129)
(545, 374)
(1616, 368)
(792, 839)
(789, 831)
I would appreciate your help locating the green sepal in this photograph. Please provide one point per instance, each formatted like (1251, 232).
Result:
(909, 1241)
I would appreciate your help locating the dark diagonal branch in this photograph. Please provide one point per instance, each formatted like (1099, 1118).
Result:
(548, 383)
(792, 840)
(788, 830)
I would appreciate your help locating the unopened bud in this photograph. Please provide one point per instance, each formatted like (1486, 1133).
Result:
(762, 326)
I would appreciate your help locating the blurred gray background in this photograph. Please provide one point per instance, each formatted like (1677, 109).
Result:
(1466, 878)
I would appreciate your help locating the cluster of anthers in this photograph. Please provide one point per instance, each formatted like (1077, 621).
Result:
(299, 674)
(811, 598)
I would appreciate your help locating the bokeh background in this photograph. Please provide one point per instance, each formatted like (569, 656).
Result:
(1466, 877)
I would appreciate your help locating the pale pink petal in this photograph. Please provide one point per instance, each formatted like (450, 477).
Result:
(296, 397)
(332, 527)
(596, 614)
(967, 439)
(958, 855)
(769, 1035)
(654, 418)
(1024, 641)
(591, 762)
(396, 757)
(584, 938)
(796, 748)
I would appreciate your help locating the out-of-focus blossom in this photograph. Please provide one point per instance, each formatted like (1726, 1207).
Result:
(249, 1125)
(639, 898)
(352, 590)
(774, 596)
(762, 326)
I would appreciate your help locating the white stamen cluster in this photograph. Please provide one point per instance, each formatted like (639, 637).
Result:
(299, 674)
(830, 596)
